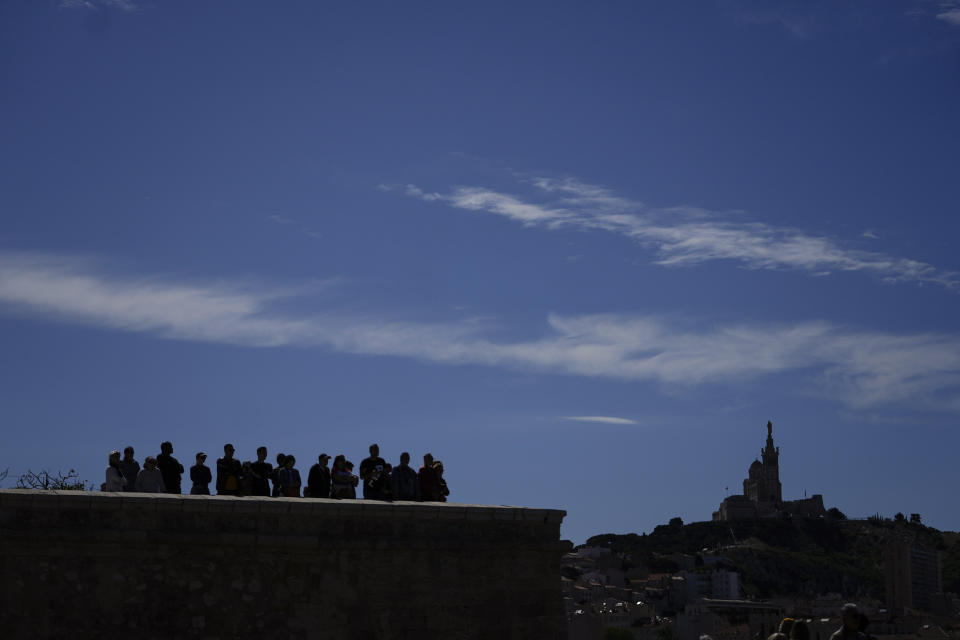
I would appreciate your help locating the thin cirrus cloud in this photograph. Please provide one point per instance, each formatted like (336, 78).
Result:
(951, 16)
(949, 12)
(601, 419)
(287, 220)
(860, 369)
(684, 236)
(123, 5)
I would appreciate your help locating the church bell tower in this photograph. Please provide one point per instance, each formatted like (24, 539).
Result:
(771, 470)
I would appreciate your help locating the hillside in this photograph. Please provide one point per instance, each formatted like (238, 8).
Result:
(803, 557)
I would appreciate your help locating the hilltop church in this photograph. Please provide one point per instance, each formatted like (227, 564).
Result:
(762, 495)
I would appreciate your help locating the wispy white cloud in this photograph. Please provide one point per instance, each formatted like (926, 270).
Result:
(479, 199)
(287, 220)
(861, 369)
(685, 236)
(600, 419)
(945, 10)
(123, 5)
(951, 16)
(794, 25)
(870, 233)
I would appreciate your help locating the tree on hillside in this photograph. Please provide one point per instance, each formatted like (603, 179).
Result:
(47, 481)
(899, 517)
(915, 518)
(833, 512)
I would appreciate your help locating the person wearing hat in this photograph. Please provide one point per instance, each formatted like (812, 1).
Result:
(850, 630)
(150, 479)
(200, 476)
(115, 478)
(318, 481)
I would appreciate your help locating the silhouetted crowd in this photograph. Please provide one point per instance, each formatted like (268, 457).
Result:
(855, 626)
(381, 480)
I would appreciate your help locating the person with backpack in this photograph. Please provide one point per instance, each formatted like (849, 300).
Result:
(429, 483)
(289, 478)
(443, 490)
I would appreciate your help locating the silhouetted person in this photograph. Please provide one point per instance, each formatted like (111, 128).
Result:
(429, 483)
(228, 472)
(850, 616)
(150, 480)
(343, 482)
(403, 480)
(246, 479)
(170, 467)
(441, 483)
(864, 625)
(356, 479)
(115, 480)
(783, 633)
(799, 630)
(318, 481)
(262, 471)
(200, 476)
(273, 476)
(130, 468)
(372, 469)
(384, 484)
(289, 478)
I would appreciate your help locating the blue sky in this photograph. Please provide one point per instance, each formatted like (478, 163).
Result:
(581, 252)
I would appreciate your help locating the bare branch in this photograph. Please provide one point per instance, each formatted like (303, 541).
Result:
(46, 481)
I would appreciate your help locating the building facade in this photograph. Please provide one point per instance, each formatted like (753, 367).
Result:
(912, 576)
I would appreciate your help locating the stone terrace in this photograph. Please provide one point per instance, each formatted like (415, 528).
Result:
(86, 564)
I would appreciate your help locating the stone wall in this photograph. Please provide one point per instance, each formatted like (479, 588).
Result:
(96, 565)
